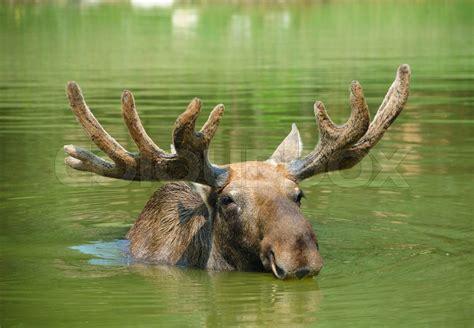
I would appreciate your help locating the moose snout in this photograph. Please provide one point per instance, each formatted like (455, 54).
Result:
(285, 264)
(281, 272)
(290, 248)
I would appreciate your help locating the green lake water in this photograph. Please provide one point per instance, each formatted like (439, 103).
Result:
(396, 232)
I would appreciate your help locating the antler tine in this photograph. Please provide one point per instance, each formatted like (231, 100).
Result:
(210, 127)
(332, 137)
(183, 134)
(193, 146)
(391, 106)
(185, 124)
(188, 162)
(135, 127)
(93, 128)
(83, 160)
(341, 147)
(353, 129)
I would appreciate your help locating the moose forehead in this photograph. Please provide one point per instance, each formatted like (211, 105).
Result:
(260, 176)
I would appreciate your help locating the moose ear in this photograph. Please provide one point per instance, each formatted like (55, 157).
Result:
(289, 149)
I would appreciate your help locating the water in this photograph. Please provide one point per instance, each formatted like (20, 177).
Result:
(396, 233)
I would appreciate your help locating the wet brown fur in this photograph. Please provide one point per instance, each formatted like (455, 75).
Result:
(173, 228)
(178, 227)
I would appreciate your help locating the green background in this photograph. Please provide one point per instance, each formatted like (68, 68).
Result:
(395, 232)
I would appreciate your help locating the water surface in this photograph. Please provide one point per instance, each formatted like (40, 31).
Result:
(396, 232)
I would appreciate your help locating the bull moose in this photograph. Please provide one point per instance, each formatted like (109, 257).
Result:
(241, 216)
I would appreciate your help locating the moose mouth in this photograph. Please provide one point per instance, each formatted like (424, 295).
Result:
(277, 271)
(280, 273)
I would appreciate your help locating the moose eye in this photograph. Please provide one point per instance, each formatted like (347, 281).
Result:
(226, 200)
(299, 196)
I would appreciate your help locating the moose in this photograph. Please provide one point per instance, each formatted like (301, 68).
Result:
(241, 216)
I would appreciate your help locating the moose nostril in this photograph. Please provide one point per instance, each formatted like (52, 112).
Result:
(301, 273)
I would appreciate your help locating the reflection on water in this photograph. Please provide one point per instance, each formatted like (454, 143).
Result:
(395, 232)
(217, 298)
(223, 299)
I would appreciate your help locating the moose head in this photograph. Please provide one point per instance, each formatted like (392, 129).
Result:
(241, 216)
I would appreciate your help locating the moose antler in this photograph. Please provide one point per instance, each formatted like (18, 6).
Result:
(343, 146)
(188, 161)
